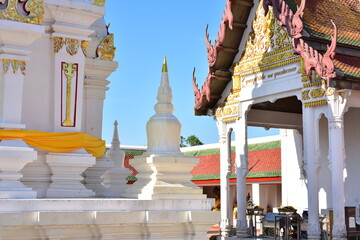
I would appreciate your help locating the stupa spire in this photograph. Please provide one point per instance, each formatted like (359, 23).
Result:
(115, 143)
(164, 67)
(168, 138)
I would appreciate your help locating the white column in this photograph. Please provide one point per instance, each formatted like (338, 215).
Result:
(337, 107)
(95, 87)
(241, 172)
(312, 157)
(255, 193)
(225, 171)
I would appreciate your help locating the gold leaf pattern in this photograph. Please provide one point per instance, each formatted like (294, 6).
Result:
(84, 46)
(106, 49)
(15, 65)
(72, 46)
(58, 44)
(35, 8)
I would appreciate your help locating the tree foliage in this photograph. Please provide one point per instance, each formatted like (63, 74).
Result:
(191, 140)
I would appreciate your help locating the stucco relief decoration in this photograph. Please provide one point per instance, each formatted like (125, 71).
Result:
(26, 11)
(313, 60)
(106, 49)
(228, 113)
(72, 45)
(259, 39)
(16, 65)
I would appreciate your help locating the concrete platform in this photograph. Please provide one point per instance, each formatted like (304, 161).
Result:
(110, 219)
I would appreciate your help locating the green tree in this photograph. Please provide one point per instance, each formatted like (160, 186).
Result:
(183, 142)
(193, 141)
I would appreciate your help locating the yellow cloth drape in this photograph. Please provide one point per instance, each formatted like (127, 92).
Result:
(57, 142)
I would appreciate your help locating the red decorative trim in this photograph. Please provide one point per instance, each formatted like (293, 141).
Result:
(212, 51)
(200, 95)
(322, 64)
(233, 180)
(283, 13)
(227, 19)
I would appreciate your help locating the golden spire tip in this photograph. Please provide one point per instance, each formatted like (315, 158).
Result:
(164, 67)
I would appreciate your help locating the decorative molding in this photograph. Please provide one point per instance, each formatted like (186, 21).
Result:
(315, 103)
(268, 61)
(336, 123)
(305, 95)
(259, 39)
(72, 45)
(317, 93)
(34, 9)
(15, 64)
(106, 49)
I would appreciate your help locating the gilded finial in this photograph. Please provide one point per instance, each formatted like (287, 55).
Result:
(164, 67)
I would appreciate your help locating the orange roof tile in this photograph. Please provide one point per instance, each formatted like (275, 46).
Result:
(345, 14)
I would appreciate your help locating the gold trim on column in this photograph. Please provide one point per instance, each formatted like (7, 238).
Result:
(34, 8)
(69, 71)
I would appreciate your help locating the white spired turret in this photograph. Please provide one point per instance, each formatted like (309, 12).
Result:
(115, 179)
(163, 129)
(164, 172)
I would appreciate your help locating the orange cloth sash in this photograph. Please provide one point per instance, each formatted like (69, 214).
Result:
(57, 142)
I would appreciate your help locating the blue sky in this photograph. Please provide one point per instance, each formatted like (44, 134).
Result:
(145, 31)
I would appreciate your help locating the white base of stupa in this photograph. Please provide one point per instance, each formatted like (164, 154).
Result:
(32, 219)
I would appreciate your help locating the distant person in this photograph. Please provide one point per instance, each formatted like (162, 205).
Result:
(216, 193)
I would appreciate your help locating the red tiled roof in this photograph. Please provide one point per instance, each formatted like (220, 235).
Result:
(345, 14)
(259, 161)
(348, 64)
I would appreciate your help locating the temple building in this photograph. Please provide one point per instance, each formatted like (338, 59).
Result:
(289, 64)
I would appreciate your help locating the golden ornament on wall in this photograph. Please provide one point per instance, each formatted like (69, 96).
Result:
(99, 3)
(26, 11)
(72, 45)
(106, 49)
(15, 65)
(84, 46)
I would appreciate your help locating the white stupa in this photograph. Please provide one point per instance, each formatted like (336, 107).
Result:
(164, 170)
